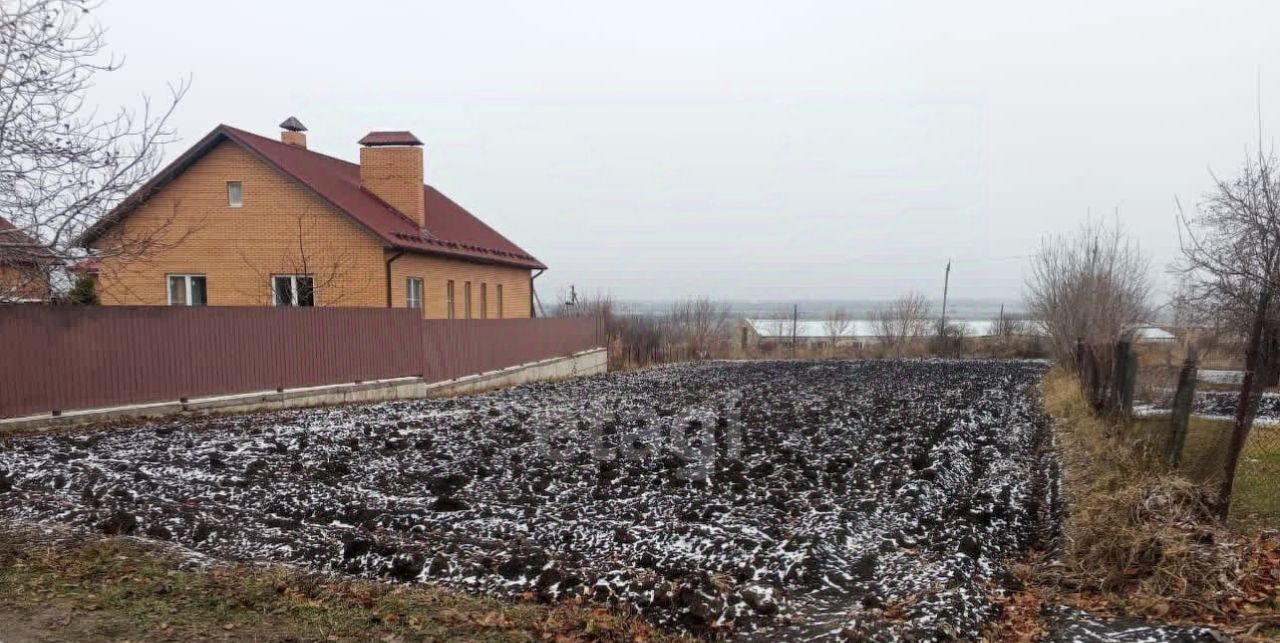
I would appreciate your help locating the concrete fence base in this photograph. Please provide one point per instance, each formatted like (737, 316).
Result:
(589, 362)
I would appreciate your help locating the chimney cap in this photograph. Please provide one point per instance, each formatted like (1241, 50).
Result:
(375, 139)
(293, 124)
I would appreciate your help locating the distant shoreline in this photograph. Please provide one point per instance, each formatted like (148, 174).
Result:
(959, 309)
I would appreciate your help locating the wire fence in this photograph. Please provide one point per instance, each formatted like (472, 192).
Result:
(1185, 415)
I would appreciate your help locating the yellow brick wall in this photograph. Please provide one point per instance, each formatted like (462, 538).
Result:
(21, 282)
(280, 229)
(394, 173)
(436, 273)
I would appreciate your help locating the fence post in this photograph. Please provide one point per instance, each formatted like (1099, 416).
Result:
(1182, 401)
(1089, 376)
(1124, 375)
(1129, 383)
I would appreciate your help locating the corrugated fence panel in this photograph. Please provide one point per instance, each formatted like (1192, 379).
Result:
(455, 348)
(68, 358)
(64, 358)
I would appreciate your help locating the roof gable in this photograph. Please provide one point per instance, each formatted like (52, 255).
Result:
(452, 230)
(18, 247)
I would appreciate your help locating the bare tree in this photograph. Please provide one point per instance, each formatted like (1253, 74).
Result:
(1006, 328)
(63, 163)
(1231, 257)
(702, 324)
(1089, 286)
(837, 324)
(308, 252)
(902, 324)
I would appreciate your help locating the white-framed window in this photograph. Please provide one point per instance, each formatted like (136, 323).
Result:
(448, 299)
(413, 292)
(188, 290)
(235, 194)
(293, 290)
(499, 301)
(484, 300)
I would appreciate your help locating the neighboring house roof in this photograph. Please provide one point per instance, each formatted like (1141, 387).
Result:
(17, 247)
(451, 230)
(1153, 334)
(90, 266)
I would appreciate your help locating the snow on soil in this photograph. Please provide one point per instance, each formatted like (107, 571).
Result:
(1223, 403)
(771, 499)
(1070, 625)
(1216, 405)
(1219, 376)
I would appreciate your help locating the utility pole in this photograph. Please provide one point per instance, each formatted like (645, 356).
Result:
(795, 315)
(946, 284)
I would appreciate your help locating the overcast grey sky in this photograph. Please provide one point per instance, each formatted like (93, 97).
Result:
(750, 150)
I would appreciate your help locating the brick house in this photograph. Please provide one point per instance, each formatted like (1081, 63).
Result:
(241, 219)
(24, 266)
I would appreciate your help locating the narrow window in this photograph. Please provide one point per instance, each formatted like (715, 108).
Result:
(413, 292)
(235, 194)
(484, 301)
(293, 290)
(188, 290)
(448, 299)
(499, 301)
(466, 298)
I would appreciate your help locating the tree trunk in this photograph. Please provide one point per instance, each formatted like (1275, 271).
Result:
(1250, 387)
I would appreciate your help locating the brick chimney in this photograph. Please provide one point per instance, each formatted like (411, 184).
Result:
(391, 168)
(293, 132)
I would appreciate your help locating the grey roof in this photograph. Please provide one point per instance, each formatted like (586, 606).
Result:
(293, 124)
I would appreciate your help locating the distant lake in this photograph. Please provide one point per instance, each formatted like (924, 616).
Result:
(975, 309)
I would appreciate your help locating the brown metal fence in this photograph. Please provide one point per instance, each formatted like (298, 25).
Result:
(64, 358)
(456, 348)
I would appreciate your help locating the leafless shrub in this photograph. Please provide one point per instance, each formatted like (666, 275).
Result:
(62, 164)
(1091, 285)
(949, 340)
(837, 324)
(1008, 328)
(598, 305)
(902, 324)
(700, 324)
(1231, 259)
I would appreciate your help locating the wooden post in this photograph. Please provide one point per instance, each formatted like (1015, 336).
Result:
(1114, 398)
(1127, 383)
(1182, 402)
(1089, 377)
(1247, 406)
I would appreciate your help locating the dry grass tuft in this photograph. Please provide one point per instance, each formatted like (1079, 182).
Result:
(1139, 539)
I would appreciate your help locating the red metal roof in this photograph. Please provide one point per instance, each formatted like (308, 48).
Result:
(85, 265)
(374, 139)
(18, 247)
(450, 231)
